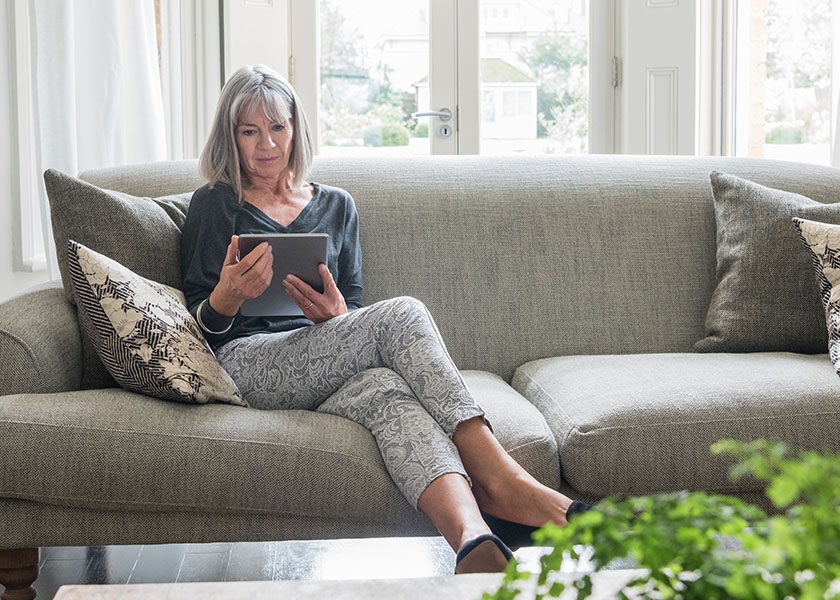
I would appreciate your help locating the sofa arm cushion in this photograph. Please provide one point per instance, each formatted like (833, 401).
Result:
(40, 343)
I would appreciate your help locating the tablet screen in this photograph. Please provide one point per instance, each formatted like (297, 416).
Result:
(296, 253)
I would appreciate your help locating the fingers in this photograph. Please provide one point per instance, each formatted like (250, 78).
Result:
(232, 256)
(251, 275)
(330, 288)
(316, 307)
(298, 290)
(258, 275)
(250, 259)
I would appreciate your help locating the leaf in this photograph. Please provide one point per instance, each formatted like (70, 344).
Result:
(782, 491)
(557, 588)
(698, 545)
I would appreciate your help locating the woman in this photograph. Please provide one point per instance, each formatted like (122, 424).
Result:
(342, 358)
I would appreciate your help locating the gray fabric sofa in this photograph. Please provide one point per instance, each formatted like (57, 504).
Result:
(569, 290)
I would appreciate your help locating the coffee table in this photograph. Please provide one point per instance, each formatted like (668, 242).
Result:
(461, 587)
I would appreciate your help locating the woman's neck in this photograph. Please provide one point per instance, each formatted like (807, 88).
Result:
(278, 187)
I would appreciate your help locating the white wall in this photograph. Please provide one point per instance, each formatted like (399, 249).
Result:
(256, 33)
(11, 282)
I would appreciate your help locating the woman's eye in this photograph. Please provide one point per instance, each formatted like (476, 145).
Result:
(248, 132)
(279, 127)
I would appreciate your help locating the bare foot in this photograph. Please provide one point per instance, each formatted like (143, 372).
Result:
(523, 500)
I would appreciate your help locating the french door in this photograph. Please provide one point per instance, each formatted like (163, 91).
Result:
(455, 76)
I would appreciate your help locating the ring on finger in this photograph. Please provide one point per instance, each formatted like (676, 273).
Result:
(308, 305)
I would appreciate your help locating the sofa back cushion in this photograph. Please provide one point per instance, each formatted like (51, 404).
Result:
(144, 234)
(526, 257)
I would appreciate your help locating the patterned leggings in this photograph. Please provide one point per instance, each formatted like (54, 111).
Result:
(384, 366)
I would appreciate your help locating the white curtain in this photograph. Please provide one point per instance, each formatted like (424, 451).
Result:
(98, 93)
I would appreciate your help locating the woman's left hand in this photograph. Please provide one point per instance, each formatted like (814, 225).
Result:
(316, 307)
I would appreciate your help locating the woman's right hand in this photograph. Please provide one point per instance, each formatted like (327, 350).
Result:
(243, 278)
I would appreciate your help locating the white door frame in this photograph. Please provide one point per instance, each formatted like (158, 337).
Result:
(604, 77)
(305, 61)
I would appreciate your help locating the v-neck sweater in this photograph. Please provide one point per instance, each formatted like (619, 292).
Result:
(215, 215)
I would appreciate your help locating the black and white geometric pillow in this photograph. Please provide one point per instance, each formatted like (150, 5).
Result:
(144, 334)
(823, 243)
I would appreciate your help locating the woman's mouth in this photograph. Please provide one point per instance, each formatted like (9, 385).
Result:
(266, 161)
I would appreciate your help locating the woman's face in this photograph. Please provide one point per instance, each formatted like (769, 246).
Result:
(264, 145)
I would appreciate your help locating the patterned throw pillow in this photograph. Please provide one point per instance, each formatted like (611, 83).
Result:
(823, 243)
(144, 334)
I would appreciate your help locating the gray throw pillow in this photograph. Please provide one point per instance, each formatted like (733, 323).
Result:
(144, 234)
(823, 244)
(144, 334)
(766, 298)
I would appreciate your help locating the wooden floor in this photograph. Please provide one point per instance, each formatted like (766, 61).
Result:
(248, 561)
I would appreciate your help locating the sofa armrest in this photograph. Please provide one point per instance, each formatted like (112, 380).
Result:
(40, 343)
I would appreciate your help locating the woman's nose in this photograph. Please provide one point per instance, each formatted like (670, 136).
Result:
(265, 141)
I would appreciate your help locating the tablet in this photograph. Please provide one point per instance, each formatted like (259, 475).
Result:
(296, 253)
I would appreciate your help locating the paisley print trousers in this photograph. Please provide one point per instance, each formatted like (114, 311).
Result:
(384, 366)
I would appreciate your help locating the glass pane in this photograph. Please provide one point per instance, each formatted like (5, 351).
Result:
(534, 76)
(374, 67)
(784, 75)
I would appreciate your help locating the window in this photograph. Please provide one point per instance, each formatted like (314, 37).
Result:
(784, 68)
(373, 74)
(509, 104)
(515, 75)
(488, 107)
(541, 45)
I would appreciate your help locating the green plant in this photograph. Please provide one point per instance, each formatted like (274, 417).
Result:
(697, 545)
(395, 135)
(373, 136)
(785, 134)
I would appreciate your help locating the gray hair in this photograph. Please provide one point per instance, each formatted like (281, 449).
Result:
(247, 88)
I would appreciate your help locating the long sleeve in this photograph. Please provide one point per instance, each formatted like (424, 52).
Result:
(215, 215)
(350, 259)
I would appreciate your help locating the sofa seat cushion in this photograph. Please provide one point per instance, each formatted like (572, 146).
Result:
(112, 449)
(639, 424)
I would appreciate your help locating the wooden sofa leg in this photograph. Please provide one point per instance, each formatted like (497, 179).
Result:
(18, 571)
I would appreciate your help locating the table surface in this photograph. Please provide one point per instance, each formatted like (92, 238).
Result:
(459, 587)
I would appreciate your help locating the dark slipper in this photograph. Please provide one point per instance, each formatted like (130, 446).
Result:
(484, 554)
(577, 508)
(517, 535)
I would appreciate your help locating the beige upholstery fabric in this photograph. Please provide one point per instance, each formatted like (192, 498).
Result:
(26, 524)
(524, 257)
(149, 180)
(518, 258)
(638, 424)
(143, 234)
(517, 424)
(111, 449)
(40, 345)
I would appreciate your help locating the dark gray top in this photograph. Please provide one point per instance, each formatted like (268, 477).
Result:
(215, 215)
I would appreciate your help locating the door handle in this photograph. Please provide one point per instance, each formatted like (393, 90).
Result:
(444, 114)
